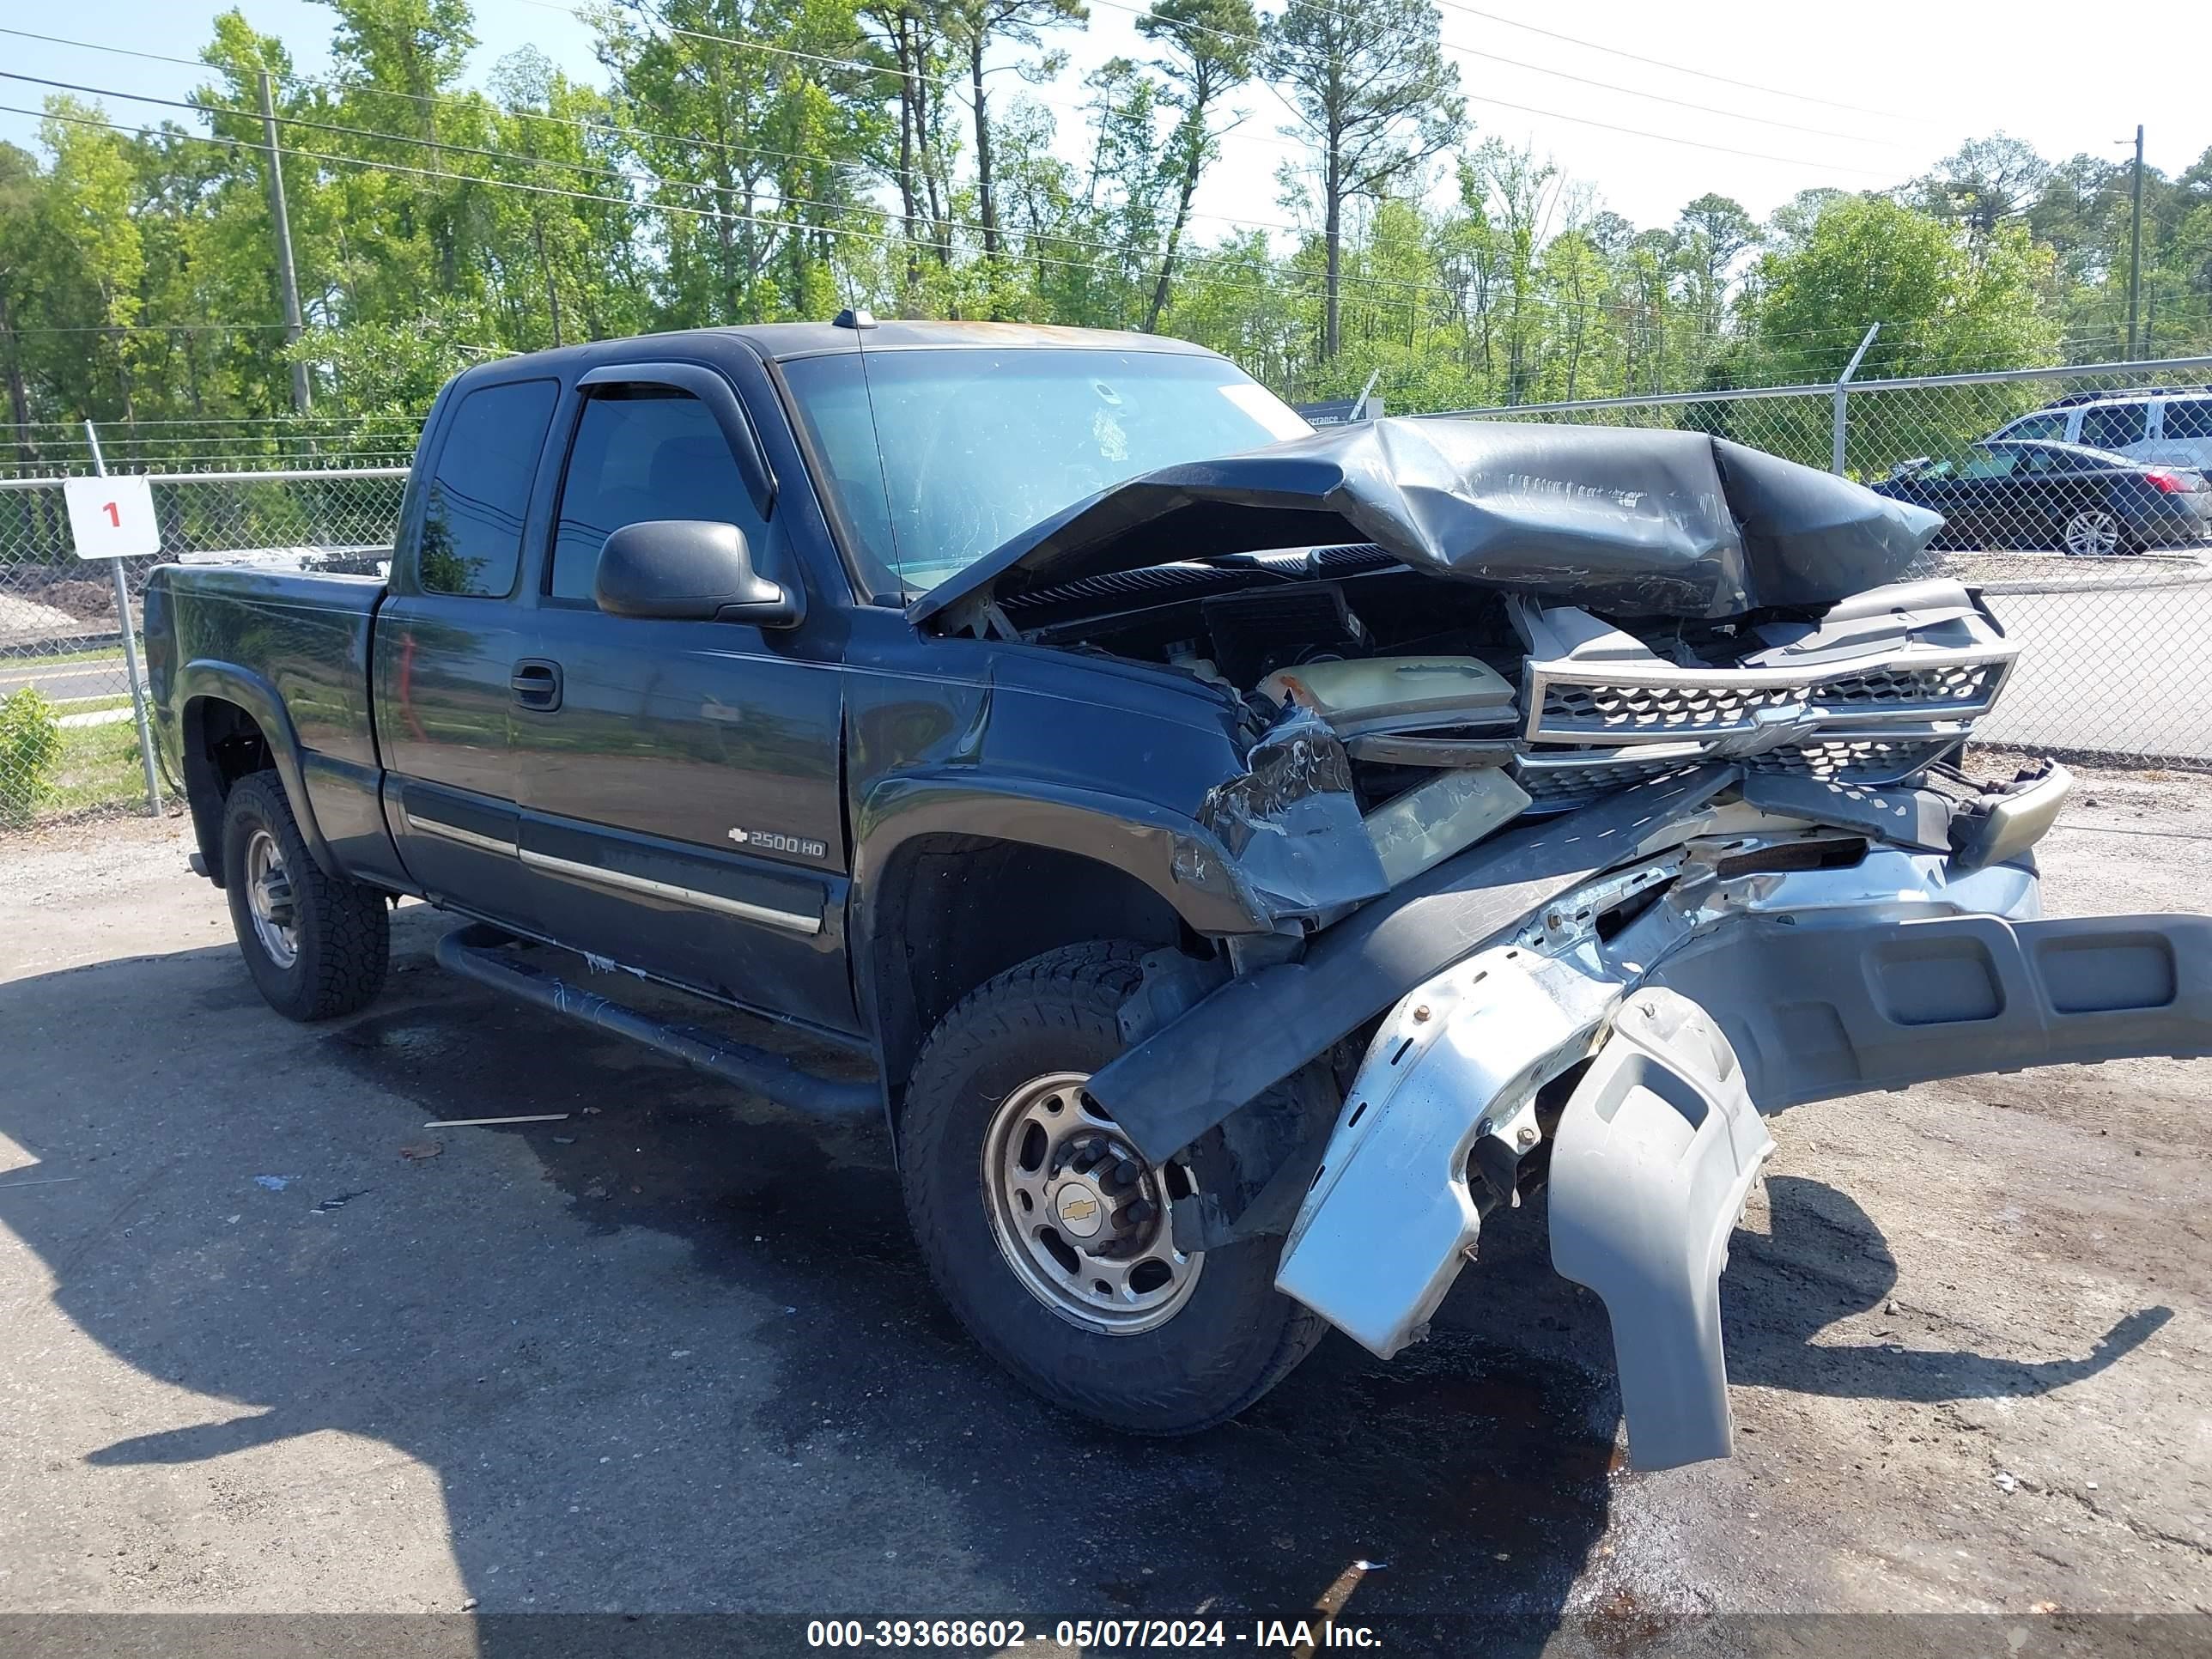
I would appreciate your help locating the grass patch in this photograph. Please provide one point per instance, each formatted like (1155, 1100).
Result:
(99, 768)
(67, 706)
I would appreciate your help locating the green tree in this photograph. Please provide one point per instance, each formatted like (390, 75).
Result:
(1985, 183)
(1373, 93)
(978, 25)
(1208, 49)
(1874, 260)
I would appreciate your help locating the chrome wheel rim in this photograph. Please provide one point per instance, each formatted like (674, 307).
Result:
(1081, 1219)
(269, 899)
(2092, 534)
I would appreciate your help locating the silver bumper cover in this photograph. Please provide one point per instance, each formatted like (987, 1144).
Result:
(1768, 988)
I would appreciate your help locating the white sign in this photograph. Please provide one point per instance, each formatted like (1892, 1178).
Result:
(112, 517)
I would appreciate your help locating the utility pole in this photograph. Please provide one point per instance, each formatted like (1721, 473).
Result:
(2135, 245)
(288, 278)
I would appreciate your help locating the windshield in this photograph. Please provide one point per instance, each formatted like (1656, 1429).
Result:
(963, 448)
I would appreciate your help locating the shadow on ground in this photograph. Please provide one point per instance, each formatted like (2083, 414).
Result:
(675, 1352)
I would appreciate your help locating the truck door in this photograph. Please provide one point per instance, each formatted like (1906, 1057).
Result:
(681, 812)
(447, 643)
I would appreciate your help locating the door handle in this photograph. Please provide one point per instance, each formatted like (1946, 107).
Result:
(535, 684)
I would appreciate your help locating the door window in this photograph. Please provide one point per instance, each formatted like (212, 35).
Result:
(642, 452)
(2048, 428)
(480, 494)
(2189, 417)
(1989, 462)
(2115, 426)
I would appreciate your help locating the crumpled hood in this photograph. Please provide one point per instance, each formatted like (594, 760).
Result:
(1631, 522)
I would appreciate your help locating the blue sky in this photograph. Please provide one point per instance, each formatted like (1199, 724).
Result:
(1854, 96)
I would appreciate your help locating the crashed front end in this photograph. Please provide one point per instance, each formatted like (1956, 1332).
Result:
(1613, 1035)
(1599, 804)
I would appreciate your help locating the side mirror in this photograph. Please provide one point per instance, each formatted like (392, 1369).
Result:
(689, 570)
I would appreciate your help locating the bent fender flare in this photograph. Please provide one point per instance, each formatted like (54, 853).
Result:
(1178, 860)
(1653, 1158)
(206, 678)
(1260, 1027)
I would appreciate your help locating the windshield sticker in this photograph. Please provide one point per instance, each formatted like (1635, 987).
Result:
(1265, 407)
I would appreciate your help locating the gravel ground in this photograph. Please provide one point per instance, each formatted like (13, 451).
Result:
(675, 1353)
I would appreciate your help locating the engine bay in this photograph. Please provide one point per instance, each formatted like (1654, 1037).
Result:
(1415, 675)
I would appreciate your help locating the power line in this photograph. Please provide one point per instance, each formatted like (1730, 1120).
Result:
(1587, 45)
(1525, 109)
(714, 214)
(1536, 68)
(478, 100)
(647, 180)
(1689, 143)
(147, 328)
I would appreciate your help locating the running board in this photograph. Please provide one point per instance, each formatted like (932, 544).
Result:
(476, 952)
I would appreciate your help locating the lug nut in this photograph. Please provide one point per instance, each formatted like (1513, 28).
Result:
(1139, 1213)
(1421, 1013)
(1524, 1138)
(1126, 1172)
(1088, 1153)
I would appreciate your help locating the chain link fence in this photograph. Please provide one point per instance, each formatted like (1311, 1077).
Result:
(68, 738)
(2078, 499)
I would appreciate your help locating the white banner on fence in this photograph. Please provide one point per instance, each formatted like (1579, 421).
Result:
(112, 517)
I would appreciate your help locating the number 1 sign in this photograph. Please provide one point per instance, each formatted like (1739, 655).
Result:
(112, 517)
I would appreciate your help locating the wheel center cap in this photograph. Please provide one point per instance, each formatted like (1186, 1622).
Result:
(1081, 1211)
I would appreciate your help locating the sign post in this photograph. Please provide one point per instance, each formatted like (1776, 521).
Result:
(112, 519)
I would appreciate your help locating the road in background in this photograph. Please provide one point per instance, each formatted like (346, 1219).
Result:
(2124, 668)
(96, 677)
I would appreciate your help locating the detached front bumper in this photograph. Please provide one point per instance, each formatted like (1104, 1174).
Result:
(1623, 1045)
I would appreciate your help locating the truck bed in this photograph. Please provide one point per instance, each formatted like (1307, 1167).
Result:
(290, 647)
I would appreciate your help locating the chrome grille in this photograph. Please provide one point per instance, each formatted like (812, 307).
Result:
(1641, 703)
(1560, 780)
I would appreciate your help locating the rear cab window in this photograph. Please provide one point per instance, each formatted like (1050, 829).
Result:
(479, 494)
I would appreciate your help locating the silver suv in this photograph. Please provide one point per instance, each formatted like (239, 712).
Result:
(2155, 425)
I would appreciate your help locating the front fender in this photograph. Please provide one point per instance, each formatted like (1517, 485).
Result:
(1183, 862)
(205, 679)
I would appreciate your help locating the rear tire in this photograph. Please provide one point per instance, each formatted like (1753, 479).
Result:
(2093, 532)
(317, 946)
(1168, 1358)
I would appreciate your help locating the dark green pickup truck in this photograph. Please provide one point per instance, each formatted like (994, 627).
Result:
(1246, 859)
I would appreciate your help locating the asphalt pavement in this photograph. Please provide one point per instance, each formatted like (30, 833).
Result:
(272, 1345)
(99, 677)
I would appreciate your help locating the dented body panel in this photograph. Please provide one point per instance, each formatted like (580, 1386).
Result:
(1728, 996)
(1636, 522)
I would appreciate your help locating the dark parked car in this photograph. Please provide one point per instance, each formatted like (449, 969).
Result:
(2006, 492)
(1244, 859)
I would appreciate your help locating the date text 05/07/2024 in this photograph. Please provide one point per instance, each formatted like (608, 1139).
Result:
(1001, 1635)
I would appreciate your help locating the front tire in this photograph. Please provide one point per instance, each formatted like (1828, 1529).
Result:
(317, 946)
(1048, 1235)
